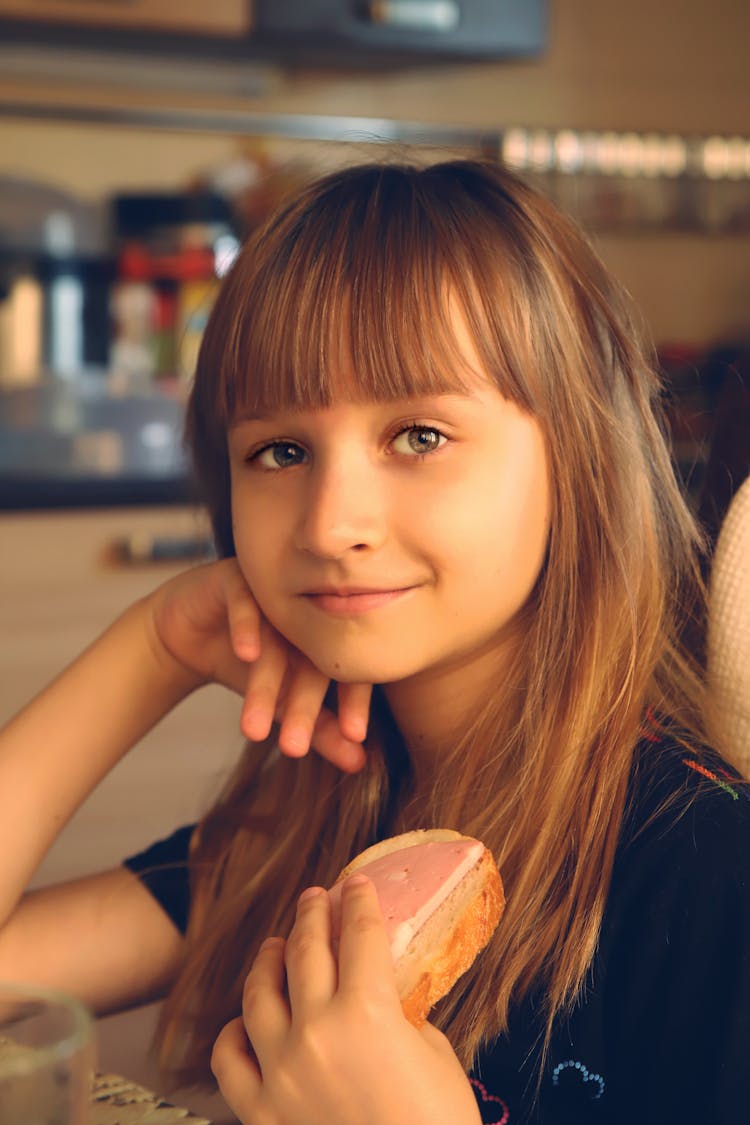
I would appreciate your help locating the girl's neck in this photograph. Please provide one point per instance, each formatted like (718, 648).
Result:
(432, 709)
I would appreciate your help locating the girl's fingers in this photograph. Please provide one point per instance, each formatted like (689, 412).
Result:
(243, 615)
(283, 685)
(310, 965)
(302, 705)
(264, 683)
(330, 744)
(365, 964)
(305, 722)
(265, 1010)
(354, 710)
(236, 1069)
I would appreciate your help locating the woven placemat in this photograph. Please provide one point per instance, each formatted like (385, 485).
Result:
(117, 1101)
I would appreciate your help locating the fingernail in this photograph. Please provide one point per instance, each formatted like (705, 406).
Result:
(295, 742)
(311, 892)
(257, 725)
(357, 757)
(247, 648)
(271, 943)
(356, 731)
(357, 880)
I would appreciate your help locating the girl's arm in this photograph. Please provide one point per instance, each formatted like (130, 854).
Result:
(100, 931)
(324, 1040)
(200, 627)
(57, 749)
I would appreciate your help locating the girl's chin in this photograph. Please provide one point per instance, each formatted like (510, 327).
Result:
(361, 658)
(361, 674)
(356, 670)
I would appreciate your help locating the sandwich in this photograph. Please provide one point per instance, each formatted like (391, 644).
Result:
(441, 897)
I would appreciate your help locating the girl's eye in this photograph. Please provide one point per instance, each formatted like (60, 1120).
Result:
(279, 455)
(419, 440)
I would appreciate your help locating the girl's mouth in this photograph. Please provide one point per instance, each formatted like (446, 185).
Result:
(351, 603)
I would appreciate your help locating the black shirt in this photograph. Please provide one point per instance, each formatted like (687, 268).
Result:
(661, 1034)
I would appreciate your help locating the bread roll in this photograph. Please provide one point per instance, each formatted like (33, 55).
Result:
(441, 897)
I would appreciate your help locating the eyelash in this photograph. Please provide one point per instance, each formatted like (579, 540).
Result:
(415, 424)
(255, 456)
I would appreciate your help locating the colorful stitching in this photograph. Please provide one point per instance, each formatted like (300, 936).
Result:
(491, 1098)
(741, 789)
(712, 777)
(585, 1073)
(651, 730)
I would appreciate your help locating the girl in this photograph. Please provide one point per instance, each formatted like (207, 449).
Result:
(432, 454)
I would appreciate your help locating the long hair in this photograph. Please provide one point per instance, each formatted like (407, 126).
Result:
(372, 256)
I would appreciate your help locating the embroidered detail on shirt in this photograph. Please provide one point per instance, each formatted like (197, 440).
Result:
(651, 730)
(595, 1090)
(490, 1100)
(712, 777)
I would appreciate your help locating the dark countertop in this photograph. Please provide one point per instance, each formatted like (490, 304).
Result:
(28, 493)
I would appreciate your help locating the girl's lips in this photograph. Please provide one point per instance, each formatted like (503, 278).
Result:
(352, 604)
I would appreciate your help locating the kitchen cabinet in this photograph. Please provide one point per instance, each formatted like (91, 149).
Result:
(220, 17)
(327, 31)
(60, 586)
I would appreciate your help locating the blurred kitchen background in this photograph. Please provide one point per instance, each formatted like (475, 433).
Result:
(141, 143)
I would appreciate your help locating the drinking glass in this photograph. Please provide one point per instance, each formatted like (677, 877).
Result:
(46, 1057)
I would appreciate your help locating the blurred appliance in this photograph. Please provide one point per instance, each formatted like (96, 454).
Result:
(55, 271)
(357, 32)
(473, 28)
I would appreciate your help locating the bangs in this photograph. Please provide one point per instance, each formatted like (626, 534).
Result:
(351, 294)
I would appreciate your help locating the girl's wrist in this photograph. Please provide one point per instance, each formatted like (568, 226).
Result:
(168, 669)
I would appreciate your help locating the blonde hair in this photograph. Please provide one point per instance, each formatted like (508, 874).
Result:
(369, 255)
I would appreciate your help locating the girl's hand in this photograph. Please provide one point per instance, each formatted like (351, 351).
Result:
(208, 621)
(334, 1048)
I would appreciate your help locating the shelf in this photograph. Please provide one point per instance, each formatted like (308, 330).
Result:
(317, 127)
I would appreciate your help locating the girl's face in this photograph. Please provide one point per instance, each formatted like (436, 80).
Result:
(389, 540)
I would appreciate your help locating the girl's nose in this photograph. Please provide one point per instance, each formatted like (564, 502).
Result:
(344, 510)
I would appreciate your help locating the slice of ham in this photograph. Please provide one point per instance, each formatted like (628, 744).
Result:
(411, 883)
